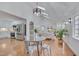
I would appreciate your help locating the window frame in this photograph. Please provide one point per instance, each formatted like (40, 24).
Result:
(75, 29)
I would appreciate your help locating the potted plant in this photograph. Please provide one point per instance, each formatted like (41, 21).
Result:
(59, 34)
(36, 31)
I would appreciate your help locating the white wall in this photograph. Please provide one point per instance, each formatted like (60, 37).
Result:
(26, 11)
(6, 21)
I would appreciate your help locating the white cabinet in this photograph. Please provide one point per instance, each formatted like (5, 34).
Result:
(20, 32)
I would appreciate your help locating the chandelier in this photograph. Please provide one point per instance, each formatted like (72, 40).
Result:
(38, 10)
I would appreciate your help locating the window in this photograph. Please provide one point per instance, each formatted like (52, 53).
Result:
(76, 27)
(60, 26)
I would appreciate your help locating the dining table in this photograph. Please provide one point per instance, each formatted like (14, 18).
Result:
(38, 45)
(38, 42)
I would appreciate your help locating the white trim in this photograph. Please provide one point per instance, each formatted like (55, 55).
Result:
(75, 37)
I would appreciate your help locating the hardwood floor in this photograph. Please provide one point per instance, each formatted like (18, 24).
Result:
(56, 50)
(13, 47)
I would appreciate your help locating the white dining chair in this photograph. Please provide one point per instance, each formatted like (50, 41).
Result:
(46, 50)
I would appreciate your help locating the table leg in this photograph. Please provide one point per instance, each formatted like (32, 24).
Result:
(38, 48)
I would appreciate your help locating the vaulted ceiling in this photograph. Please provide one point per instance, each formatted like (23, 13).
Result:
(60, 11)
(57, 11)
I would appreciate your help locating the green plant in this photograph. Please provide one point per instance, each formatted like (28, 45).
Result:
(60, 33)
(35, 30)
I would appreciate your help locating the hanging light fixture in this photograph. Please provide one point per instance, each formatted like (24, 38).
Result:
(70, 20)
(38, 10)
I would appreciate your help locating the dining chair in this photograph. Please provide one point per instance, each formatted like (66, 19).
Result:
(46, 50)
(31, 46)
